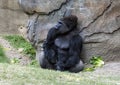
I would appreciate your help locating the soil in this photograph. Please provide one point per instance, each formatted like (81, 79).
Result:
(13, 53)
(110, 67)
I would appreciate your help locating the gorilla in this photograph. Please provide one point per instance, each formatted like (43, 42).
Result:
(63, 46)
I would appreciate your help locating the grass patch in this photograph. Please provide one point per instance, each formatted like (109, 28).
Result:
(3, 58)
(95, 62)
(19, 42)
(22, 75)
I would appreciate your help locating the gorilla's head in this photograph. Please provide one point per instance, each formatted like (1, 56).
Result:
(67, 24)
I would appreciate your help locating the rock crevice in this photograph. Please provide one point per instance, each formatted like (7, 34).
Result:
(109, 5)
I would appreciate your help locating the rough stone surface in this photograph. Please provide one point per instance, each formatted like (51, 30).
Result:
(99, 23)
(11, 17)
(36, 6)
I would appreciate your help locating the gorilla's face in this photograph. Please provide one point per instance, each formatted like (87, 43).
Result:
(66, 24)
(62, 27)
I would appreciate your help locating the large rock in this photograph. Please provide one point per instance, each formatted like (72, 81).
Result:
(36, 6)
(11, 17)
(99, 23)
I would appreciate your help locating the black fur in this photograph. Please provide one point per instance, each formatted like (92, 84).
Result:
(65, 54)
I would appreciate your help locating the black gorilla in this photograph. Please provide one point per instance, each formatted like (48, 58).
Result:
(63, 46)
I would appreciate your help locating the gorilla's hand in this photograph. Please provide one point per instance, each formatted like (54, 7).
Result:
(60, 66)
(59, 24)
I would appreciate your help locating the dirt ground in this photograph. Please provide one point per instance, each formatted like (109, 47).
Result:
(110, 67)
(13, 53)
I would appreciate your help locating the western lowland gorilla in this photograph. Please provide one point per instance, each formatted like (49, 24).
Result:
(63, 47)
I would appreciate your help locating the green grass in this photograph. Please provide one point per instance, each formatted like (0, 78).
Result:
(3, 58)
(21, 75)
(19, 42)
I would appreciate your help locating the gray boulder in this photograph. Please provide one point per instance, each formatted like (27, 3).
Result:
(99, 23)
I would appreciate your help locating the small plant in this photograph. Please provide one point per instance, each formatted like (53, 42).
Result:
(95, 61)
(15, 61)
(21, 45)
(3, 58)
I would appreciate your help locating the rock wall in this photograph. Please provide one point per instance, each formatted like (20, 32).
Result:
(99, 23)
(11, 17)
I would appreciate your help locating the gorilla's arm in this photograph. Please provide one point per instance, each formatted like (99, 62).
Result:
(52, 34)
(49, 47)
(50, 52)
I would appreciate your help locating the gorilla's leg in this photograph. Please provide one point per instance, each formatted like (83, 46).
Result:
(74, 62)
(79, 67)
(62, 58)
(45, 64)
